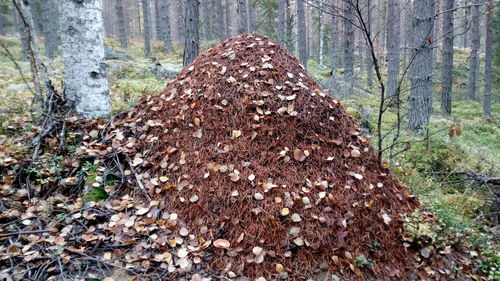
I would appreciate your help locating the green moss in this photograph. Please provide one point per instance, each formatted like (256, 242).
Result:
(95, 194)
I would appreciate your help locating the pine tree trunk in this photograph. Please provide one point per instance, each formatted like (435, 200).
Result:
(488, 59)
(147, 28)
(465, 24)
(447, 65)
(368, 54)
(219, 20)
(251, 16)
(159, 34)
(122, 26)
(50, 27)
(82, 45)
(227, 19)
(165, 25)
(348, 43)
(301, 33)
(421, 71)
(474, 56)
(290, 46)
(192, 36)
(393, 31)
(242, 16)
(321, 32)
(281, 21)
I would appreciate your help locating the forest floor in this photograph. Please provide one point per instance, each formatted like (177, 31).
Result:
(461, 210)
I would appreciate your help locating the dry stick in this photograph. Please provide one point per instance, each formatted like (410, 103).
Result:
(25, 232)
(103, 262)
(137, 179)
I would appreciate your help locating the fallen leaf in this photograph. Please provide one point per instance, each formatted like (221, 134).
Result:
(222, 244)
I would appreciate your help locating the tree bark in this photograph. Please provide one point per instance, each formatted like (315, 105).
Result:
(219, 20)
(301, 32)
(393, 31)
(122, 26)
(281, 21)
(368, 54)
(147, 28)
(50, 27)
(488, 59)
(242, 16)
(86, 87)
(474, 55)
(159, 34)
(251, 16)
(421, 71)
(447, 65)
(165, 25)
(321, 32)
(192, 34)
(348, 42)
(465, 24)
(290, 46)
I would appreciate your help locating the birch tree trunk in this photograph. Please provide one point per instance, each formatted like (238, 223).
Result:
(192, 34)
(242, 16)
(50, 27)
(281, 21)
(301, 33)
(421, 71)
(147, 28)
(488, 60)
(165, 25)
(85, 84)
(348, 43)
(474, 55)
(447, 65)
(122, 25)
(393, 30)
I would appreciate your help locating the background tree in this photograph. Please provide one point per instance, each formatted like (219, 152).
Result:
(488, 59)
(281, 21)
(165, 25)
(242, 16)
(421, 69)
(301, 32)
(348, 62)
(147, 28)
(192, 36)
(50, 26)
(393, 31)
(447, 65)
(86, 85)
(368, 55)
(122, 26)
(474, 55)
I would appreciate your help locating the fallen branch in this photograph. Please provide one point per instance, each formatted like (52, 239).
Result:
(478, 177)
(136, 176)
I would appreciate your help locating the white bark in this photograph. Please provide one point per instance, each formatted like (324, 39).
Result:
(86, 87)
